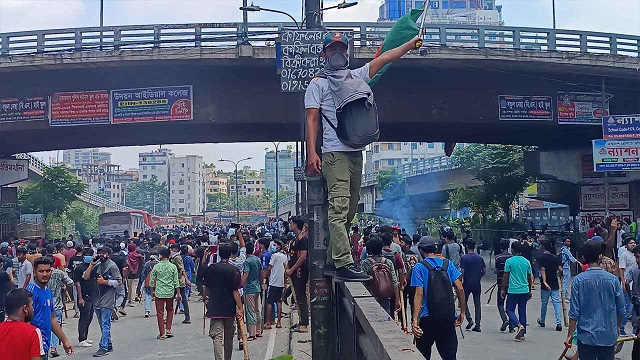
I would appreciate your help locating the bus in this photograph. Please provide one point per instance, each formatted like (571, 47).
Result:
(116, 223)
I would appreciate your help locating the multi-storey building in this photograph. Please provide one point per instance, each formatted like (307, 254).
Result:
(286, 164)
(155, 163)
(187, 175)
(78, 157)
(215, 181)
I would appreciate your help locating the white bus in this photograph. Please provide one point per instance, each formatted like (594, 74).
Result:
(116, 223)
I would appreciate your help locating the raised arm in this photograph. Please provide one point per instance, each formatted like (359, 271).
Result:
(392, 55)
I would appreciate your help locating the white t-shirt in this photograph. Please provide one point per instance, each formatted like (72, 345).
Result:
(25, 268)
(318, 96)
(627, 259)
(278, 261)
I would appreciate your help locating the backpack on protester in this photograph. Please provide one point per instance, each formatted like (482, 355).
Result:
(357, 123)
(382, 279)
(455, 259)
(440, 300)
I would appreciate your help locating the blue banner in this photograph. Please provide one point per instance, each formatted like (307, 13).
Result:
(168, 103)
(618, 127)
(616, 155)
(514, 107)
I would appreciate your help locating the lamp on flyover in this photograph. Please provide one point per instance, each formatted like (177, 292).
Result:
(255, 8)
(235, 164)
(343, 5)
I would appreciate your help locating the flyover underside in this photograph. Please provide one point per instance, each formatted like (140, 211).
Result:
(419, 99)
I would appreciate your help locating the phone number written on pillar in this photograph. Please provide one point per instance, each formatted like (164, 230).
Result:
(296, 79)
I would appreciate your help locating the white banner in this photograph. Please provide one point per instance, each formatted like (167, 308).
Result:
(592, 197)
(13, 171)
(587, 216)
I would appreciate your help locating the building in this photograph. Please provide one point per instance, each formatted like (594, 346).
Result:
(105, 180)
(250, 182)
(78, 157)
(155, 163)
(387, 155)
(215, 181)
(470, 12)
(286, 165)
(186, 190)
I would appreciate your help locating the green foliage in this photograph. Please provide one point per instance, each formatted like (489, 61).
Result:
(218, 201)
(477, 199)
(501, 170)
(389, 179)
(53, 194)
(85, 218)
(141, 195)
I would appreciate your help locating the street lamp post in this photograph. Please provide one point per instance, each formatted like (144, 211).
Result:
(235, 164)
(553, 5)
(255, 8)
(277, 177)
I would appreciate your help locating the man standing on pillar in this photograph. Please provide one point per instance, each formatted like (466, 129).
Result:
(340, 165)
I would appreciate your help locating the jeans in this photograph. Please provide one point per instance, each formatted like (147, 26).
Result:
(476, 304)
(161, 305)
(148, 299)
(566, 279)
(588, 352)
(500, 301)
(343, 172)
(54, 339)
(555, 300)
(300, 286)
(628, 309)
(221, 332)
(443, 333)
(121, 296)
(185, 303)
(519, 300)
(188, 293)
(104, 319)
(86, 316)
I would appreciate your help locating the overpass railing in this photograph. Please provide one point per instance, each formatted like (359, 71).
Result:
(228, 35)
(38, 167)
(415, 168)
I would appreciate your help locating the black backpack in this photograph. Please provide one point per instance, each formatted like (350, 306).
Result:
(440, 300)
(357, 123)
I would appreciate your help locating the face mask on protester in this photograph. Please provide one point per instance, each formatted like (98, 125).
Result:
(337, 61)
(274, 249)
(88, 258)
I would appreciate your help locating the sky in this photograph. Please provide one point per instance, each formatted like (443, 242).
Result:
(613, 16)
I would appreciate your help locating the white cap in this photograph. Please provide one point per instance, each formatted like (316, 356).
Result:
(69, 243)
(122, 246)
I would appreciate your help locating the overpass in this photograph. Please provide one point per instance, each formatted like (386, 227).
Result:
(447, 91)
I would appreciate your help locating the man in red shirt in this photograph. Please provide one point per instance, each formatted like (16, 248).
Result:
(20, 340)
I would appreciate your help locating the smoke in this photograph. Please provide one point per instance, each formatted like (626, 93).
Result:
(397, 207)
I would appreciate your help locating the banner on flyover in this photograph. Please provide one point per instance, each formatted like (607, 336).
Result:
(515, 107)
(618, 127)
(13, 171)
(24, 109)
(581, 108)
(586, 217)
(592, 197)
(169, 103)
(616, 155)
(79, 108)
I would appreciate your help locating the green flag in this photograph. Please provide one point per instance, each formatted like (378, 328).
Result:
(404, 30)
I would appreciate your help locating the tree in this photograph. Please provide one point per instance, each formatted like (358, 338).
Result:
(53, 194)
(85, 218)
(218, 201)
(142, 195)
(500, 168)
(475, 198)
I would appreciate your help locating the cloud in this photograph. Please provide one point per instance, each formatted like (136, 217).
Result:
(26, 15)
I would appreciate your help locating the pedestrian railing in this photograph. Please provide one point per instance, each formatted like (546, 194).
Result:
(415, 168)
(228, 35)
(365, 330)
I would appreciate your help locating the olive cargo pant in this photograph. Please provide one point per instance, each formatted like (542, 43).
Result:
(343, 173)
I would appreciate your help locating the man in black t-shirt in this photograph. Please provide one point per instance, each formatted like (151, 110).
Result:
(299, 271)
(501, 259)
(73, 262)
(221, 284)
(84, 289)
(550, 267)
(6, 283)
(120, 259)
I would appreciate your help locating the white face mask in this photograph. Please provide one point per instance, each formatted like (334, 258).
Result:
(337, 61)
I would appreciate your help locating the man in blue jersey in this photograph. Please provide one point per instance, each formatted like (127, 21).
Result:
(43, 315)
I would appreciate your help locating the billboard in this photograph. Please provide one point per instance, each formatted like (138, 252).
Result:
(24, 109)
(168, 103)
(592, 197)
(79, 108)
(617, 127)
(616, 155)
(515, 107)
(581, 108)
(13, 171)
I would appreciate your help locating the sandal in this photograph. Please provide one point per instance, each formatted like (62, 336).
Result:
(267, 327)
(169, 334)
(259, 335)
(278, 326)
(161, 337)
(251, 338)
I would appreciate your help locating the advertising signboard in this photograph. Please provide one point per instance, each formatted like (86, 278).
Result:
(79, 108)
(13, 171)
(515, 107)
(616, 155)
(618, 127)
(167, 103)
(24, 109)
(586, 217)
(581, 108)
(592, 197)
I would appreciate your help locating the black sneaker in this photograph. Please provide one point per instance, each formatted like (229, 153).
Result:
(520, 334)
(110, 348)
(469, 325)
(540, 322)
(101, 353)
(329, 270)
(186, 321)
(351, 273)
(512, 330)
(558, 327)
(476, 328)
(504, 325)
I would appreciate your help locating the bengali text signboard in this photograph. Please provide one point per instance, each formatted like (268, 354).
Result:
(300, 59)
(616, 155)
(581, 108)
(13, 171)
(514, 107)
(24, 109)
(617, 127)
(79, 108)
(167, 103)
(592, 197)
(586, 217)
